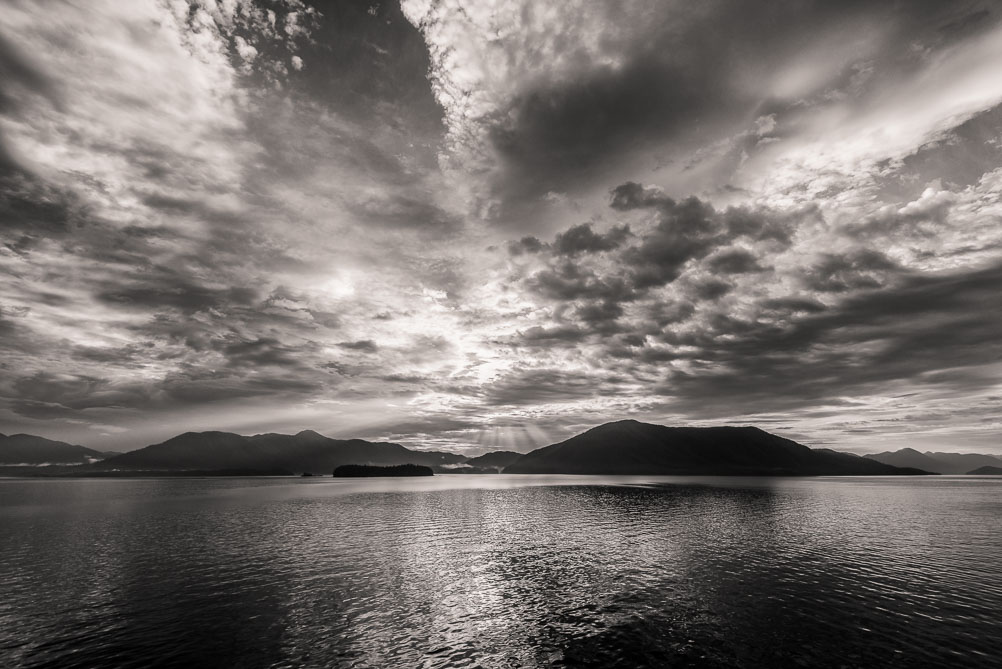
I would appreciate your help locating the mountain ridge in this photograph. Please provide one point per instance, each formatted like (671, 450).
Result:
(937, 462)
(632, 447)
(624, 446)
(304, 451)
(986, 471)
(32, 450)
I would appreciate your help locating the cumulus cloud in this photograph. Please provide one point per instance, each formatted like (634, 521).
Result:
(582, 239)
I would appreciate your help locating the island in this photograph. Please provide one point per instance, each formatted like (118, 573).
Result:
(374, 470)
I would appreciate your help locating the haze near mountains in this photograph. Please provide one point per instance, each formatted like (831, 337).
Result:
(940, 463)
(622, 447)
(28, 449)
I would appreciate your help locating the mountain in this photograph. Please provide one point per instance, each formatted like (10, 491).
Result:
(28, 449)
(986, 471)
(354, 471)
(960, 463)
(306, 451)
(909, 457)
(940, 463)
(493, 460)
(631, 447)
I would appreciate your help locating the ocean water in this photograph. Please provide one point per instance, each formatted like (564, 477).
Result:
(502, 571)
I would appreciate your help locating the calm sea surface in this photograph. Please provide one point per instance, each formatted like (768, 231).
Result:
(501, 571)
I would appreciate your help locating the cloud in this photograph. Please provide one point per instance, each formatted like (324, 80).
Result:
(734, 261)
(498, 222)
(364, 345)
(526, 244)
(922, 332)
(860, 268)
(530, 112)
(582, 239)
(711, 289)
(545, 386)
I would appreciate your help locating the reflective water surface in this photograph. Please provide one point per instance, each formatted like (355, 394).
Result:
(501, 571)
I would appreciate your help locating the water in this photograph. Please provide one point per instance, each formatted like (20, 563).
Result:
(501, 571)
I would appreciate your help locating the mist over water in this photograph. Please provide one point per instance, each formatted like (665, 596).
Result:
(501, 571)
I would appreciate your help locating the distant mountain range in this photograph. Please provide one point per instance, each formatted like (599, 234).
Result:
(306, 451)
(623, 447)
(32, 451)
(939, 463)
(495, 460)
(631, 447)
(986, 471)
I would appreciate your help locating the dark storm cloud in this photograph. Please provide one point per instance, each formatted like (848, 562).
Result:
(122, 356)
(32, 208)
(684, 231)
(570, 281)
(663, 313)
(17, 338)
(631, 195)
(540, 336)
(541, 386)
(793, 305)
(712, 289)
(582, 239)
(526, 244)
(194, 386)
(841, 272)
(734, 261)
(711, 84)
(261, 351)
(925, 325)
(364, 345)
(19, 77)
(757, 225)
(599, 314)
(373, 61)
(164, 287)
(16, 69)
(563, 129)
(50, 395)
(596, 274)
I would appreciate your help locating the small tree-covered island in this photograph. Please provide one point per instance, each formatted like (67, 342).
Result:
(375, 470)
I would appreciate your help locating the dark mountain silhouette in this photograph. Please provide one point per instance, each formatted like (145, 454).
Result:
(28, 449)
(631, 447)
(493, 460)
(466, 469)
(940, 463)
(306, 451)
(964, 462)
(986, 471)
(375, 470)
(909, 457)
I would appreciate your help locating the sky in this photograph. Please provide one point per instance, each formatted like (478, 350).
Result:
(492, 225)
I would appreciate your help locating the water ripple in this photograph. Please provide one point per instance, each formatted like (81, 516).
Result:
(501, 572)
